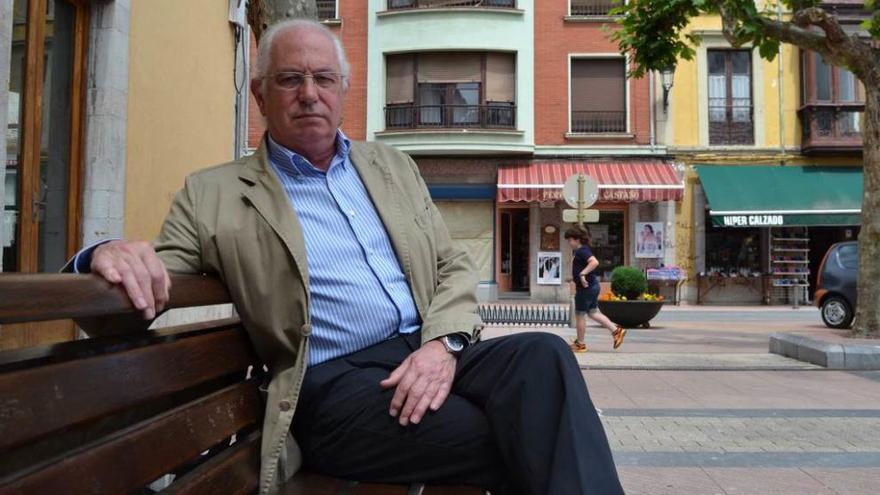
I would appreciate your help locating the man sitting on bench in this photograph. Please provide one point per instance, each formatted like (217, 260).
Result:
(348, 284)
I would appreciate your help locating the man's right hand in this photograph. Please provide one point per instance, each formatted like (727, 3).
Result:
(136, 266)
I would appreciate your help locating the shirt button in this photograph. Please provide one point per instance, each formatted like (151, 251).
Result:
(284, 406)
(351, 212)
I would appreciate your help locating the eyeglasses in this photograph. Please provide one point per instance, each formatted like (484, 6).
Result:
(294, 80)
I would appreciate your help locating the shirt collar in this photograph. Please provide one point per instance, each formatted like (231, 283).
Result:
(292, 163)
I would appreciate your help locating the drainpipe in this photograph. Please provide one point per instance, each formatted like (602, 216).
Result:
(781, 93)
(653, 102)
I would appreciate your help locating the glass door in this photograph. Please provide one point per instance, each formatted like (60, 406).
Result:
(41, 207)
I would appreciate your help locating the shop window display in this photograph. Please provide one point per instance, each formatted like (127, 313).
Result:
(732, 252)
(608, 242)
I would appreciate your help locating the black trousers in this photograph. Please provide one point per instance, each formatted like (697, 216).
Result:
(519, 420)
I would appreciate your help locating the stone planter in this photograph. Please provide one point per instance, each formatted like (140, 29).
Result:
(631, 314)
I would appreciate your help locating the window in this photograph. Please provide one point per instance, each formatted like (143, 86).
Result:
(591, 8)
(732, 251)
(833, 104)
(598, 95)
(450, 90)
(438, 4)
(326, 9)
(848, 256)
(730, 97)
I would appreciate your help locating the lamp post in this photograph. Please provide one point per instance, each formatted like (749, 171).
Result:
(667, 74)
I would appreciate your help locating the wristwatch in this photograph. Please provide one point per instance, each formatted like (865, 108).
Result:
(455, 343)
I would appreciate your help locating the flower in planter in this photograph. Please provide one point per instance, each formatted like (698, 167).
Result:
(629, 284)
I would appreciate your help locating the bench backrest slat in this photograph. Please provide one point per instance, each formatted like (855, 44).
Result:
(44, 297)
(235, 471)
(131, 458)
(42, 400)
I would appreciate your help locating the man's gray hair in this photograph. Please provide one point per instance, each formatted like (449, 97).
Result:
(264, 51)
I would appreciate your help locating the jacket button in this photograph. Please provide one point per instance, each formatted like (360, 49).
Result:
(284, 406)
(305, 330)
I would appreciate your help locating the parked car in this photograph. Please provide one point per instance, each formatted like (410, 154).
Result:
(836, 284)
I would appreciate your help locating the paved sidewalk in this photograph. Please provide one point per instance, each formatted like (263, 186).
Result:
(697, 405)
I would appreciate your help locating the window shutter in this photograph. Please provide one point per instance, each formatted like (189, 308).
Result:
(399, 79)
(598, 85)
(450, 67)
(500, 77)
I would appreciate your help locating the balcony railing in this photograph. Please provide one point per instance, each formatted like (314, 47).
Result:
(832, 127)
(592, 8)
(598, 122)
(495, 116)
(439, 4)
(326, 9)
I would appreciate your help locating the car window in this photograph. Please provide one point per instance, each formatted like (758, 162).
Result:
(848, 256)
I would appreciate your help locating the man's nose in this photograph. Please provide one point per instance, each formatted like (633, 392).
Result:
(308, 92)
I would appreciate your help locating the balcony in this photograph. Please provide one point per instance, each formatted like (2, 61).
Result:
(326, 9)
(592, 8)
(493, 116)
(444, 4)
(832, 128)
(598, 122)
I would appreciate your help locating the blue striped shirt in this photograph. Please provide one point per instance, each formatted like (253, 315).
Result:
(359, 293)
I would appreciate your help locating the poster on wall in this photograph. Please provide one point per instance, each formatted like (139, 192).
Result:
(649, 240)
(549, 268)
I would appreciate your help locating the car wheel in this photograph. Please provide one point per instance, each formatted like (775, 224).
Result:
(837, 313)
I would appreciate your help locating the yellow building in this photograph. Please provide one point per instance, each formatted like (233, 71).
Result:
(771, 155)
(107, 106)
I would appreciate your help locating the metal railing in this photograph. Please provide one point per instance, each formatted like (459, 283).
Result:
(326, 9)
(832, 126)
(438, 4)
(592, 8)
(450, 116)
(592, 122)
(525, 314)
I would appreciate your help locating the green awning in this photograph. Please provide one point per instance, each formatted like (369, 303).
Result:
(773, 196)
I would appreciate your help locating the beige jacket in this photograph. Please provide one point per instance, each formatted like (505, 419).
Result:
(235, 220)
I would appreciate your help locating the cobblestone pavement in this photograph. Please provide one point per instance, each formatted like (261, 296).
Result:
(696, 406)
(742, 432)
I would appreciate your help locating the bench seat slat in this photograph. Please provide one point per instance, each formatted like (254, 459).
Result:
(305, 483)
(135, 456)
(44, 399)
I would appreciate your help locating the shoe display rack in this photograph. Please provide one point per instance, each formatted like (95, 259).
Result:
(790, 265)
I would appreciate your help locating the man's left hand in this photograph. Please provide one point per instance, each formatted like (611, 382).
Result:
(423, 380)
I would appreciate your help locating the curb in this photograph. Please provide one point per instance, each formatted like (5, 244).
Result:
(826, 354)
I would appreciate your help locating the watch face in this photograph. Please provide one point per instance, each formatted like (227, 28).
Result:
(455, 343)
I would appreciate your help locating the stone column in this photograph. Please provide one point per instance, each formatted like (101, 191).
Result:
(106, 119)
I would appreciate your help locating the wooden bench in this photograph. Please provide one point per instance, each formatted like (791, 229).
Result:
(113, 414)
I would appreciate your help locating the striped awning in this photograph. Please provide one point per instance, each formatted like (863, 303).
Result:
(621, 181)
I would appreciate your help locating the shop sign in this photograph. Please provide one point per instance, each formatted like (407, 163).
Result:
(752, 220)
(620, 195)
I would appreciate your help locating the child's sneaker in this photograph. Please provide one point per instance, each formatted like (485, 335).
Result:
(578, 346)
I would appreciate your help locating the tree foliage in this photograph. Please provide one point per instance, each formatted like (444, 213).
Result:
(655, 33)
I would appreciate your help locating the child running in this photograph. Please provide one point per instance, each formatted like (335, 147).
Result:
(586, 299)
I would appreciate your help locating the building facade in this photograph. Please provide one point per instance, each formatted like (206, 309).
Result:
(772, 159)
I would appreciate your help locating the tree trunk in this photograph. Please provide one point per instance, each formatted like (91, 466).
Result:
(263, 13)
(868, 312)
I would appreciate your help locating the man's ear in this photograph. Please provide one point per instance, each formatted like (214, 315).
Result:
(257, 91)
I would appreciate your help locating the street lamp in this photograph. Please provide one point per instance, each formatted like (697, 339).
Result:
(668, 74)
